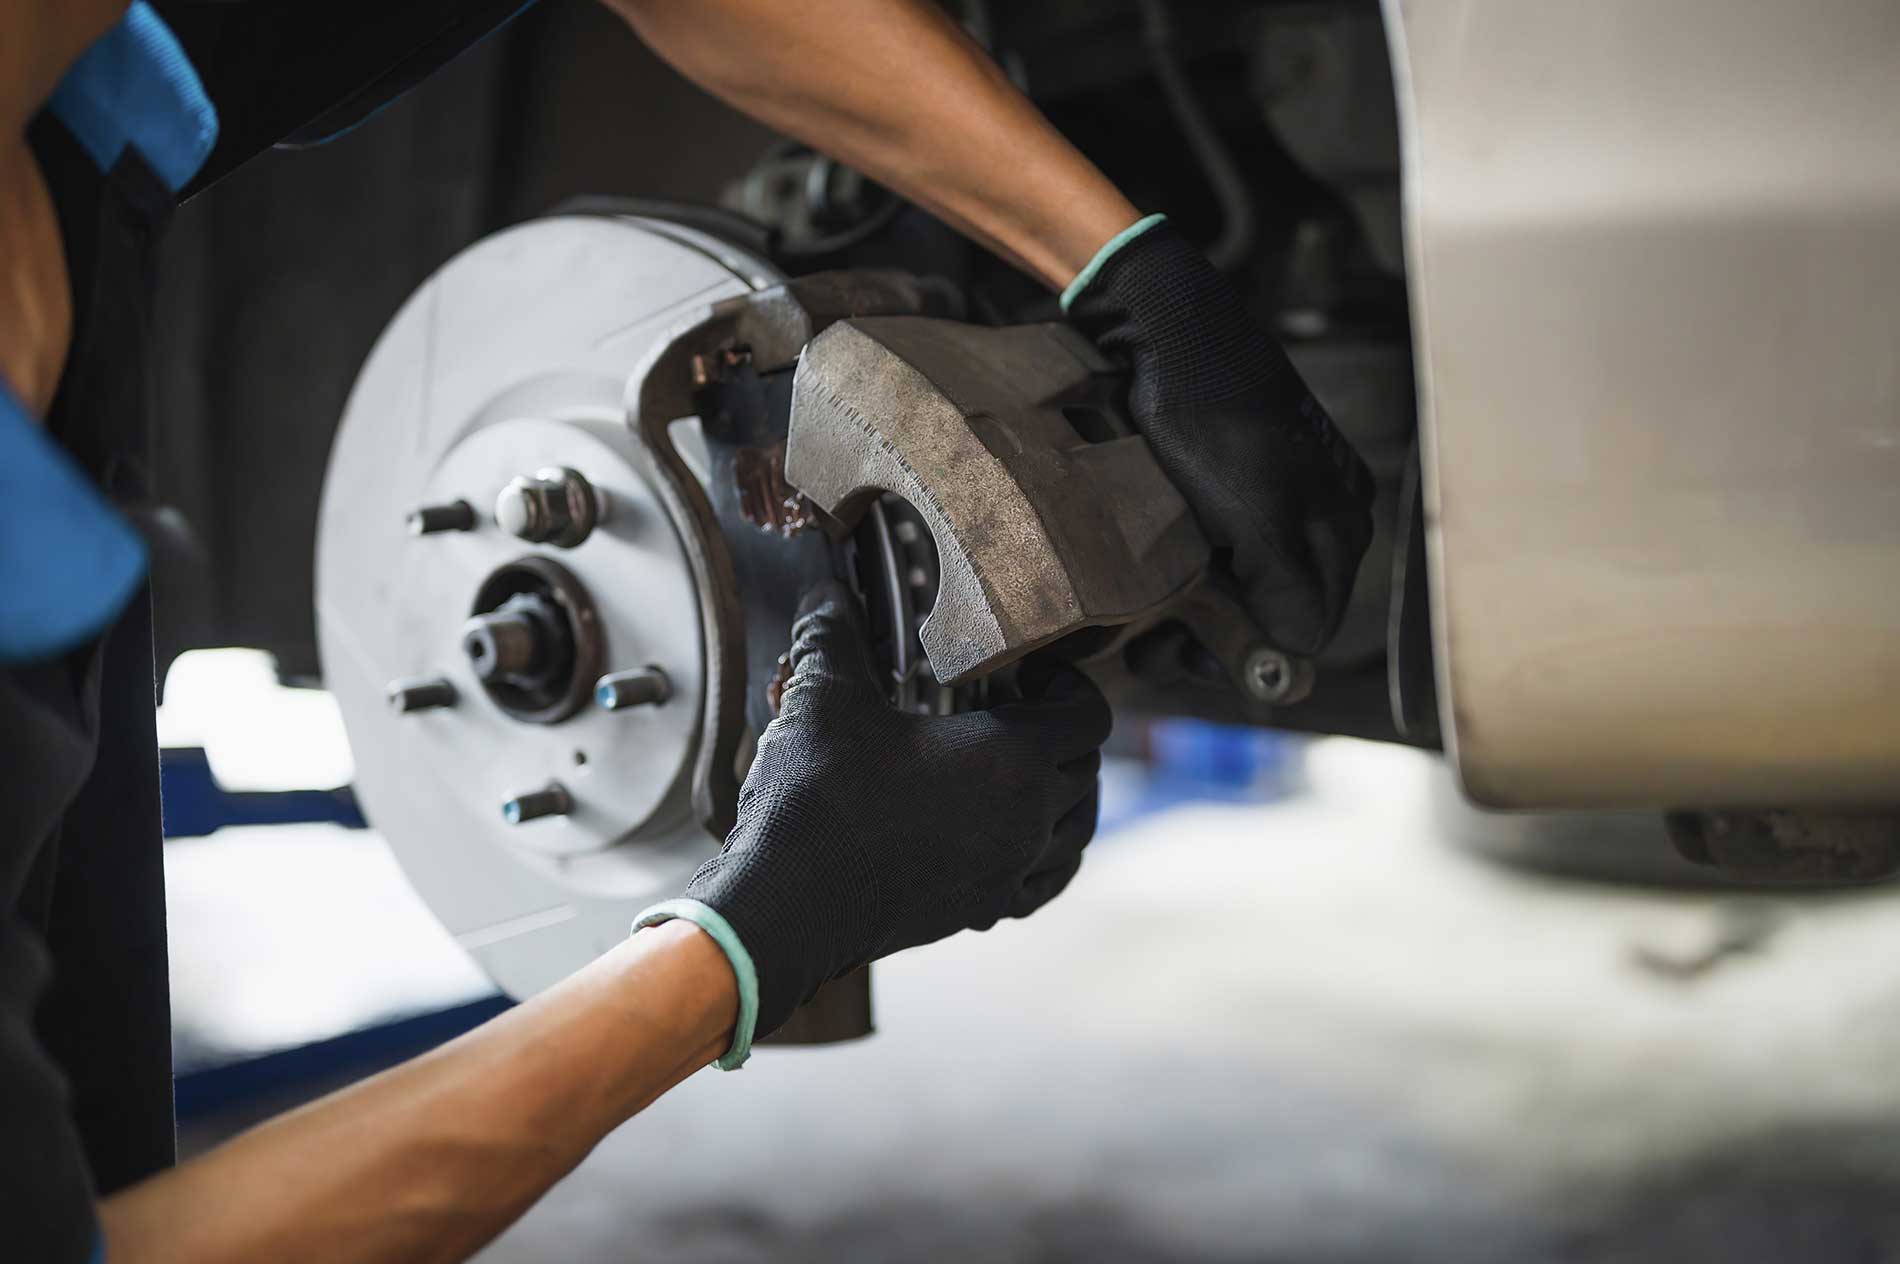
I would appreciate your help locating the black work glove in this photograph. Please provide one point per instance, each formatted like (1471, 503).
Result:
(864, 830)
(1255, 455)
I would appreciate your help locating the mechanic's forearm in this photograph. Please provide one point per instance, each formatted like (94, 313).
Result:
(432, 1159)
(898, 91)
(35, 297)
(39, 39)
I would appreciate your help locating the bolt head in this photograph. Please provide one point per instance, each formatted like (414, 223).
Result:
(1268, 675)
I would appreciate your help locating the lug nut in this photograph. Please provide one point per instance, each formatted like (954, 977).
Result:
(551, 800)
(424, 693)
(456, 516)
(643, 686)
(557, 506)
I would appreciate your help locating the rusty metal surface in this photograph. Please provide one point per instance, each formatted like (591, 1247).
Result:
(1049, 513)
(766, 500)
(765, 329)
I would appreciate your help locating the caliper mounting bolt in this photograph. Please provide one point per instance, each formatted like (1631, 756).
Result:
(422, 693)
(555, 506)
(643, 686)
(551, 800)
(1276, 678)
(457, 515)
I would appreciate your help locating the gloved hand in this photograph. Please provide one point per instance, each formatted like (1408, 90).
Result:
(863, 829)
(1231, 423)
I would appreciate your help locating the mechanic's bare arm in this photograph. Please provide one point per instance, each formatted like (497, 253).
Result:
(897, 90)
(36, 312)
(435, 1157)
(41, 40)
(966, 818)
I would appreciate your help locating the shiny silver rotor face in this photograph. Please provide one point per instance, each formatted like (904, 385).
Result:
(493, 546)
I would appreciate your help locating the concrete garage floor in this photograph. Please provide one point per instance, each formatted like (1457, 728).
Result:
(1302, 1031)
(1307, 1029)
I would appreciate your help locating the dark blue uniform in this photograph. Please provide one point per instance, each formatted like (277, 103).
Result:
(157, 109)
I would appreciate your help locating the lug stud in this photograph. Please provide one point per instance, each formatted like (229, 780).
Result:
(643, 686)
(455, 516)
(550, 800)
(423, 693)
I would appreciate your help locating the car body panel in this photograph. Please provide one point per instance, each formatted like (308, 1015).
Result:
(1654, 253)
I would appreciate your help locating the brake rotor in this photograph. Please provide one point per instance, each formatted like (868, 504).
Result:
(534, 820)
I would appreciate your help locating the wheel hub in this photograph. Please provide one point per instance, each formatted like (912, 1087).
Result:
(495, 546)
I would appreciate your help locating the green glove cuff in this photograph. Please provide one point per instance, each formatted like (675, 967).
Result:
(1103, 255)
(708, 919)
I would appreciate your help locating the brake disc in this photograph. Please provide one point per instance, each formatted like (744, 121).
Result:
(494, 540)
(558, 553)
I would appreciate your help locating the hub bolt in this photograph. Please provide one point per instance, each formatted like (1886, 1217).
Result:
(456, 516)
(550, 800)
(506, 643)
(423, 693)
(643, 686)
